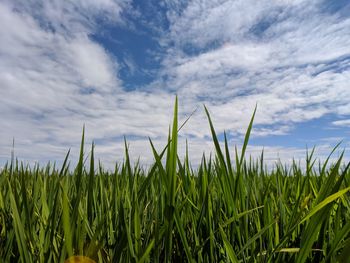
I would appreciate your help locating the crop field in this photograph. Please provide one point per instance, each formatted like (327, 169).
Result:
(228, 209)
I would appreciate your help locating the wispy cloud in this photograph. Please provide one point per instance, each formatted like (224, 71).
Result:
(342, 123)
(291, 58)
(53, 80)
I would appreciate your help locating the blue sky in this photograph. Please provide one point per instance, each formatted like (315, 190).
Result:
(116, 66)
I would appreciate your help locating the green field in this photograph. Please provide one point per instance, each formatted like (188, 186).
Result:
(228, 209)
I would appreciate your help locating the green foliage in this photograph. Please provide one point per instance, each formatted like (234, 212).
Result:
(223, 211)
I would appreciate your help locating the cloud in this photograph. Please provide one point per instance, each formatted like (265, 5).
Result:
(291, 58)
(341, 123)
(55, 78)
(71, 17)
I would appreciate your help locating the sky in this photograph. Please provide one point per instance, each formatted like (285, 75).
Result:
(117, 65)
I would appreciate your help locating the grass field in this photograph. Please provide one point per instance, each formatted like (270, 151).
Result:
(228, 209)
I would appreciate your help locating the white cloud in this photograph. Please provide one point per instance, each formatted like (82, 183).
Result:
(54, 77)
(54, 81)
(290, 57)
(72, 16)
(345, 123)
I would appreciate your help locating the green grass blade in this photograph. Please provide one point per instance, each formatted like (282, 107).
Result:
(228, 247)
